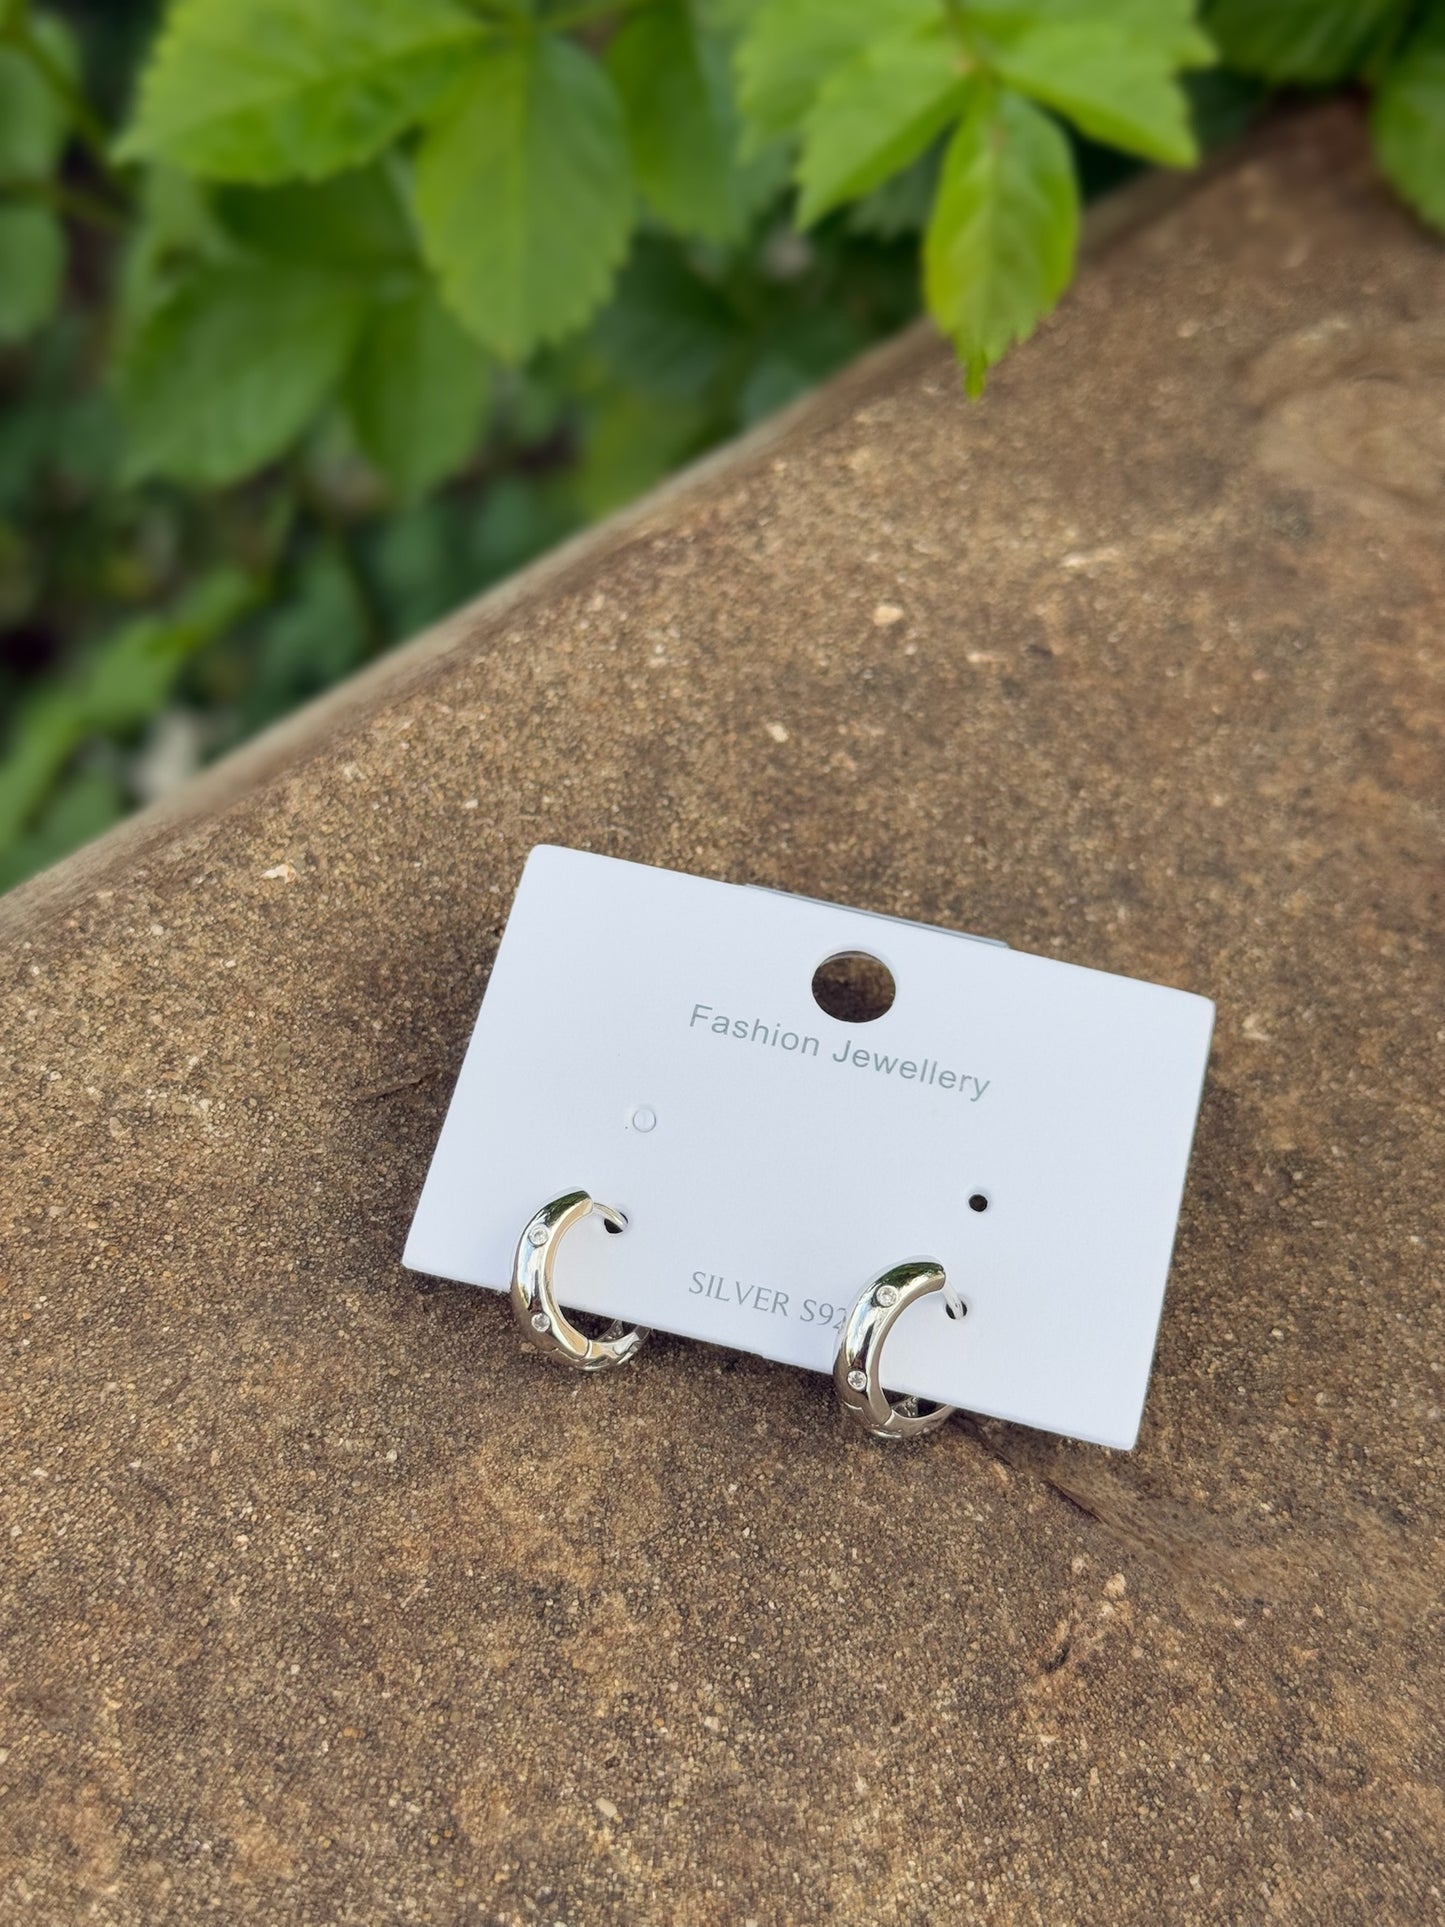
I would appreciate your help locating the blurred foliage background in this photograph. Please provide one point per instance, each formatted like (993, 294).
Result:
(319, 316)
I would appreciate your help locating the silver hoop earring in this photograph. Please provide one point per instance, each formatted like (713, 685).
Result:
(534, 1304)
(857, 1367)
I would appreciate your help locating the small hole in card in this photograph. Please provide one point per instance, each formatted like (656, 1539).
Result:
(854, 987)
(979, 1201)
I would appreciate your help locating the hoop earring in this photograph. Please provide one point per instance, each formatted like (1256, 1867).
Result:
(534, 1303)
(857, 1367)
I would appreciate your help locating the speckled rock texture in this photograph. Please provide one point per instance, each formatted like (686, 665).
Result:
(323, 1603)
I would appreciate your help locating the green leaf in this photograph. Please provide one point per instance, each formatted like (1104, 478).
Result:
(228, 371)
(1170, 27)
(901, 206)
(118, 687)
(520, 518)
(792, 46)
(679, 120)
(1000, 246)
(875, 115)
(32, 269)
(668, 332)
(261, 90)
(1408, 119)
(1117, 85)
(799, 351)
(631, 442)
(1311, 42)
(416, 392)
(33, 118)
(48, 726)
(299, 646)
(133, 672)
(525, 195)
(84, 804)
(353, 220)
(176, 225)
(418, 562)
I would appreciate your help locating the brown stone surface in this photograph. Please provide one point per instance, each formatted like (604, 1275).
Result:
(322, 1603)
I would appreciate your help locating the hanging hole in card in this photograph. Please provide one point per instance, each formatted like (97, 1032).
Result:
(854, 987)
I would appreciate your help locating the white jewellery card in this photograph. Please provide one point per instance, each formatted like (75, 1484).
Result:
(653, 1039)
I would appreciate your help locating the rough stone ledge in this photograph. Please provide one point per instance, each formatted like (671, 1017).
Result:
(322, 1603)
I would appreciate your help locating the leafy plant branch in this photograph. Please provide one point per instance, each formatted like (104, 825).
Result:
(370, 241)
(521, 157)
